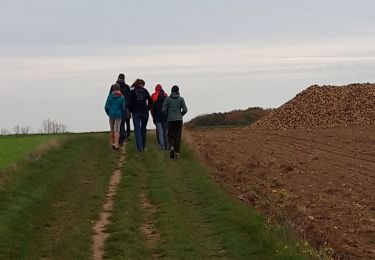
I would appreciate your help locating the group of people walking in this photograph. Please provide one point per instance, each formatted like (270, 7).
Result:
(125, 102)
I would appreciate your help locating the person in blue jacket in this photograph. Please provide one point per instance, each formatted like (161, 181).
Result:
(115, 109)
(125, 90)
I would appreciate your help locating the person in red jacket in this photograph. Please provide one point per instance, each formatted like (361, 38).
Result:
(160, 131)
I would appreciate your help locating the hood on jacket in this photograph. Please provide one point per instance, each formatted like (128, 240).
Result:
(156, 94)
(158, 88)
(116, 93)
(175, 89)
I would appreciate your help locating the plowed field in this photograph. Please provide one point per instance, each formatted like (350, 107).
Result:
(322, 182)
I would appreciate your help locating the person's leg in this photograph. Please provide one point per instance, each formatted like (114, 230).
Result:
(165, 130)
(177, 140)
(137, 131)
(117, 127)
(159, 131)
(113, 139)
(172, 138)
(127, 128)
(144, 120)
(122, 132)
(170, 135)
(112, 126)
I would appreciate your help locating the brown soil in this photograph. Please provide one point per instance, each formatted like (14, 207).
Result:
(322, 182)
(100, 234)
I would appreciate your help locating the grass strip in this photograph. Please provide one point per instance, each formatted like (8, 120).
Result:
(49, 205)
(14, 148)
(185, 233)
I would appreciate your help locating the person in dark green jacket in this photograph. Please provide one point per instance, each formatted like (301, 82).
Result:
(175, 108)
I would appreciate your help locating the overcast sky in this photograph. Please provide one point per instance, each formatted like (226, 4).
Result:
(59, 58)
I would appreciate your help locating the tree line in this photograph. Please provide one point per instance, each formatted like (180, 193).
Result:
(231, 118)
(48, 127)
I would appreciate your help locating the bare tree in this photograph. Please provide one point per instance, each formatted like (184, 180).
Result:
(63, 128)
(53, 127)
(25, 130)
(17, 130)
(3, 131)
(59, 128)
(47, 126)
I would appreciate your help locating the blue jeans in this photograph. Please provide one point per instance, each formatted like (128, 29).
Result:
(161, 129)
(140, 130)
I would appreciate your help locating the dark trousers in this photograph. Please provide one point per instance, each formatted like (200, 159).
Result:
(174, 134)
(122, 132)
(140, 130)
(127, 120)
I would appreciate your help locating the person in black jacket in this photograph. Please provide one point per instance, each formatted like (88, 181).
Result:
(125, 90)
(140, 105)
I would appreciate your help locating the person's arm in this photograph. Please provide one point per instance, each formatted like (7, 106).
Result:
(127, 96)
(106, 106)
(165, 106)
(152, 110)
(149, 101)
(184, 108)
(123, 107)
(131, 102)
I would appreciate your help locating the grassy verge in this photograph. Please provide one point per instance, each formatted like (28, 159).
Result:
(196, 219)
(48, 206)
(15, 148)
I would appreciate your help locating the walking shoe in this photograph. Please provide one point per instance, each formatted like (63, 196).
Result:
(176, 155)
(171, 154)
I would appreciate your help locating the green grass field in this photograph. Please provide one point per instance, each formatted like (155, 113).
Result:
(14, 148)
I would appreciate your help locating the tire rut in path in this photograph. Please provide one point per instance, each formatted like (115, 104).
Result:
(100, 234)
(148, 227)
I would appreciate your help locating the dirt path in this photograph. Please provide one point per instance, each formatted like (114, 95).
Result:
(321, 181)
(148, 228)
(100, 234)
